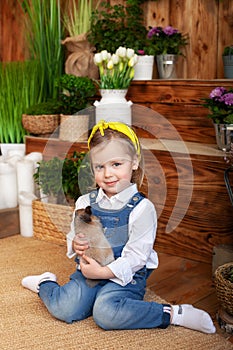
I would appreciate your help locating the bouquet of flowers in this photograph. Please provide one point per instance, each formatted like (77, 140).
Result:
(220, 103)
(167, 40)
(116, 70)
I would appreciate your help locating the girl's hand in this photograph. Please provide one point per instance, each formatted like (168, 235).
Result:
(80, 244)
(93, 270)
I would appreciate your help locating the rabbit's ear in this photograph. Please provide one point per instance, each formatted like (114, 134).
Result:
(88, 210)
(76, 213)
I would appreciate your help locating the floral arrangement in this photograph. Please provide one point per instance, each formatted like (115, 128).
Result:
(220, 103)
(116, 70)
(167, 40)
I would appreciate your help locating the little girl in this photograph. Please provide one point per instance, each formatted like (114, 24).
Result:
(130, 222)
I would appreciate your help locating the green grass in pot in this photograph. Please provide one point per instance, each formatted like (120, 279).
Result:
(45, 108)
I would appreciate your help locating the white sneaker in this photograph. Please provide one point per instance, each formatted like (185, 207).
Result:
(32, 282)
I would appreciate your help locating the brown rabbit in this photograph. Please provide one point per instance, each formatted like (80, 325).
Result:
(99, 247)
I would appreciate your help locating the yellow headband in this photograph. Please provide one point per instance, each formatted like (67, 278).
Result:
(123, 128)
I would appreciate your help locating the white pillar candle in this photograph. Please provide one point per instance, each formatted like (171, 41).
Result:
(25, 171)
(8, 186)
(13, 159)
(35, 157)
(25, 213)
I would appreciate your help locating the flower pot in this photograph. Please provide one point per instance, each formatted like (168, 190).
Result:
(80, 59)
(113, 106)
(74, 128)
(228, 66)
(166, 65)
(224, 136)
(143, 69)
(41, 124)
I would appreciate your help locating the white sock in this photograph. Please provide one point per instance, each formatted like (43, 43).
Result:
(32, 282)
(188, 316)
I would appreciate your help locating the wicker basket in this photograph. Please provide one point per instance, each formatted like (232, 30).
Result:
(40, 124)
(51, 222)
(74, 128)
(224, 288)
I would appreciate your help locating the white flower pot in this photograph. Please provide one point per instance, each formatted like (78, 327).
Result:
(113, 106)
(144, 68)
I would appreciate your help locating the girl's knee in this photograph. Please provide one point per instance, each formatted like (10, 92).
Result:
(106, 315)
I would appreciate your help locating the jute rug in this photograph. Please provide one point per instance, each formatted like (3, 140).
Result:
(26, 324)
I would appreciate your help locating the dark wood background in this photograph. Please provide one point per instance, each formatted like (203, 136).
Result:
(209, 24)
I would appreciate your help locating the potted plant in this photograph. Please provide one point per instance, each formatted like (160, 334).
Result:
(227, 57)
(75, 95)
(122, 25)
(42, 118)
(62, 181)
(76, 20)
(220, 104)
(166, 44)
(116, 73)
(18, 88)
(118, 25)
(75, 92)
(44, 33)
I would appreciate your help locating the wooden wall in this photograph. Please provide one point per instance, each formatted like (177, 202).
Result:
(209, 24)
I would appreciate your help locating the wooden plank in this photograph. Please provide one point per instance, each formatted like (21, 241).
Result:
(52, 147)
(225, 28)
(12, 33)
(184, 291)
(190, 224)
(9, 222)
(179, 101)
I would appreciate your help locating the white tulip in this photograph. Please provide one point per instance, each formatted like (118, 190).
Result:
(131, 62)
(97, 58)
(135, 57)
(121, 52)
(110, 64)
(105, 55)
(115, 59)
(129, 53)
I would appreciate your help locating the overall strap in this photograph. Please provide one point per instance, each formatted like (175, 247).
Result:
(137, 197)
(93, 195)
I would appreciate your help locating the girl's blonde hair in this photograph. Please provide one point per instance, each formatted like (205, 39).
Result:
(109, 134)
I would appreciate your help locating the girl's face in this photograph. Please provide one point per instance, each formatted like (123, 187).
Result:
(113, 165)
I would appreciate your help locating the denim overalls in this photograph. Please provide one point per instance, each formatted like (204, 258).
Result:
(115, 222)
(112, 306)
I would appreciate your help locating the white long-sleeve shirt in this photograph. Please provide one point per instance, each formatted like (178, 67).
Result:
(138, 251)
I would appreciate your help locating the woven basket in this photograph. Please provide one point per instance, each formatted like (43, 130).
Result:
(74, 128)
(40, 124)
(51, 222)
(224, 288)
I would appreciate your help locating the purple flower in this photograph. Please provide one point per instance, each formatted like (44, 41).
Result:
(170, 30)
(217, 92)
(227, 99)
(154, 31)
